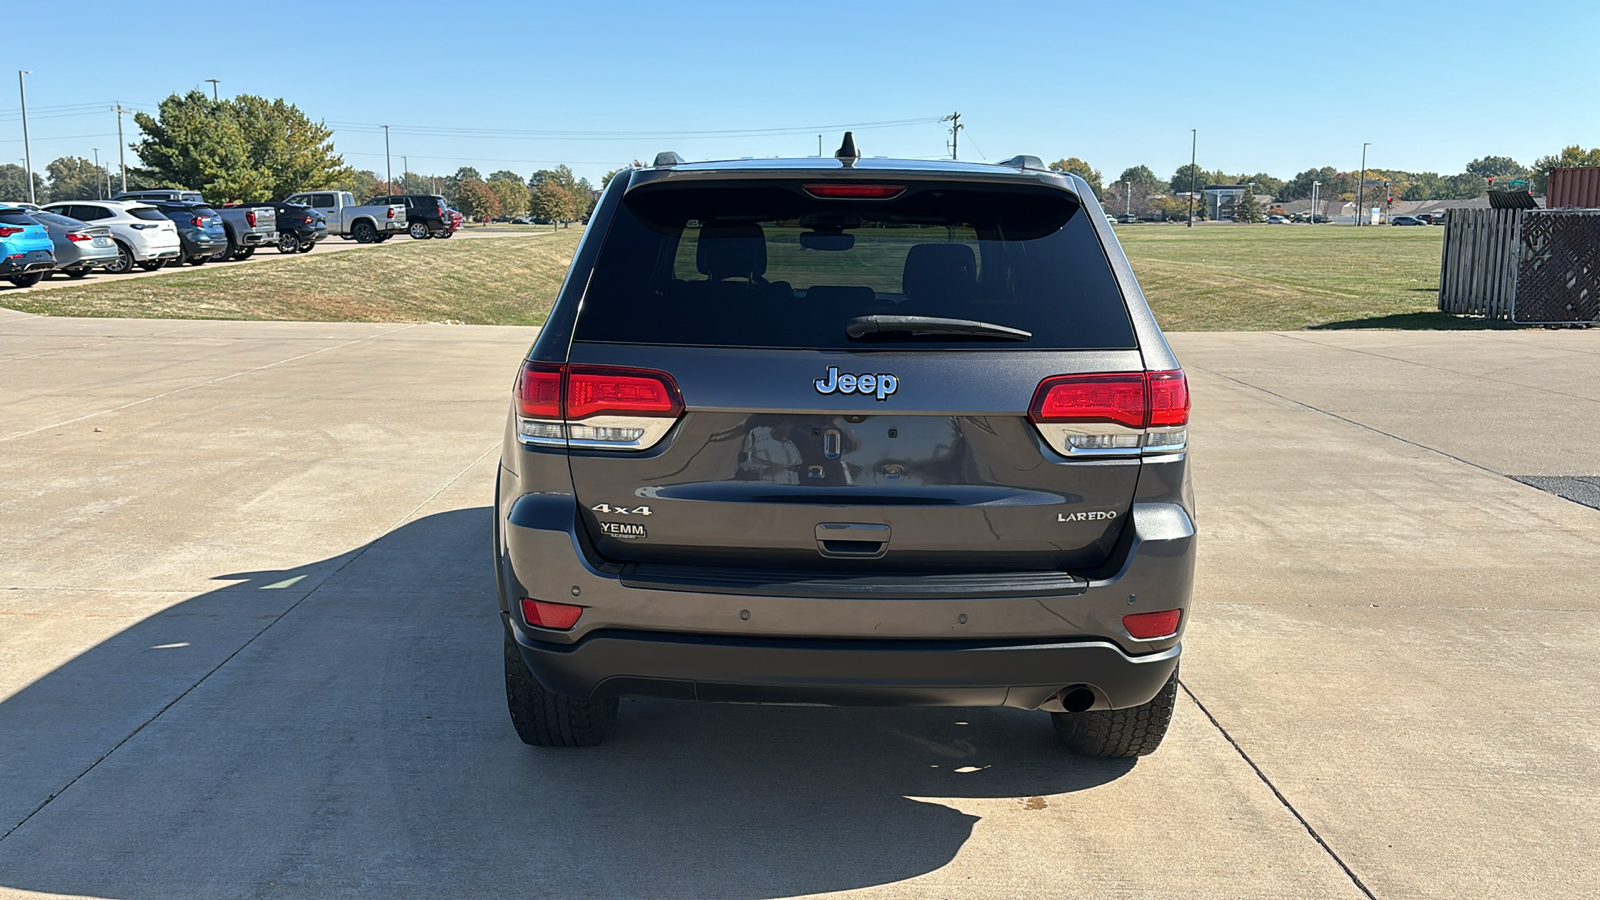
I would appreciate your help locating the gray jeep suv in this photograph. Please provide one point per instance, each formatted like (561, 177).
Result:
(847, 431)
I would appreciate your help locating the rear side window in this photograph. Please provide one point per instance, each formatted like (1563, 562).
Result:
(769, 265)
(148, 214)
(16, 217)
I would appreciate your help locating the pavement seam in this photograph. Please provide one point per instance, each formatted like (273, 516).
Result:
(202, 384)
(1422, 365)
(241, 648)
(1321, 842)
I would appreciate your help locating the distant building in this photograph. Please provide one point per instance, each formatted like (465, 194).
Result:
(1221, 198)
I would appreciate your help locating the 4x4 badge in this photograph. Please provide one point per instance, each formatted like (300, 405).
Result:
(883, 384)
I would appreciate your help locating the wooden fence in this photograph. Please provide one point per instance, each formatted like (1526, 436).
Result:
(1478, 273)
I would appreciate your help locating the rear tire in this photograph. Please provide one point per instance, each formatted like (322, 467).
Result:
(419, 231)
(306, 247)
(288, 242)
(25, 281)
(244, 252)
(1124, 733)
(199, 260)
(225, 253)
(76, 273)
(444, 234)
(150, 265)
(543, 719)
(364, 232)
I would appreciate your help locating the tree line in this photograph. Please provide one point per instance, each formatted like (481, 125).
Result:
(1139, 188)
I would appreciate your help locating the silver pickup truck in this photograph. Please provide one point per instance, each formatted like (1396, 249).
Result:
(363, 224)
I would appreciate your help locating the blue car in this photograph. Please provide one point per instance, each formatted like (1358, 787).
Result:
(26, 254)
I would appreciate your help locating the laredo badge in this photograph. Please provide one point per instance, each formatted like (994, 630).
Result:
(624, 530)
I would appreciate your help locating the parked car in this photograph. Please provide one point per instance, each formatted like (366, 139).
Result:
(167, 194)
(957, 490)
(299, 227)
(26, 253)
(427, 215)
(1406, 220)
(1277, 220)
(370, 224)
(78, 246)
(455, 223)
(143, 234)
(199, 230)
(247, 226)
(20, 204)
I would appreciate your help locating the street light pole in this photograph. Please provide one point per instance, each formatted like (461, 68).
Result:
(388, 166)
(405, 170)
(1314, 186)
(98, 181)
(1127, 200)
(1361, 184)
(214, 84)
(1194, 144)
(27, 155)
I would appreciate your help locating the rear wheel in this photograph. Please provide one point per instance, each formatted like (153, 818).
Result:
(76, 273)
(244, 252)
(123, 262)
(28, 280)
(288, 242)
(150, 265)
(305, 246)
(364, 232)
(1136, 731)
(419, 231)
(225, 253)
(199, 260)
(543, 719)
(381, 238)
(445, 234)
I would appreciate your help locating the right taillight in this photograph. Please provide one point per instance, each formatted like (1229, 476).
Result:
(595, 407)
(1113, 414)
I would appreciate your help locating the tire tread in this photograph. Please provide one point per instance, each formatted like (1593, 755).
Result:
(1119, 733)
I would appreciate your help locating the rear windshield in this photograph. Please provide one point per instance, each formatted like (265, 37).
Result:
(771, 266)
(16, 217)
(148, 214)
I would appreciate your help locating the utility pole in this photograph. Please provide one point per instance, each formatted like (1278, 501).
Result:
(388, 167)
(122, 161)
(1194, 145)
(1127, 200)
(1361, 185)
(955, 134)
(99, 182)
(405, 171)
(27, 156)
(1314, 186)
(214, 84)
(819, 146)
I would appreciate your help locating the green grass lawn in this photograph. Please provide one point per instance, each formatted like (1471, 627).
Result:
(1208, 278)
(1270, 277)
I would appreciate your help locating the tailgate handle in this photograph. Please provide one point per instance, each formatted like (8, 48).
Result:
(855, 540)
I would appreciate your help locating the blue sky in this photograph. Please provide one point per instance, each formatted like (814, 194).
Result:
(1271, 87)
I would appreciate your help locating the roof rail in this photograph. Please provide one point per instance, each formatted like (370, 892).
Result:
(1024, 162)
(667, 158)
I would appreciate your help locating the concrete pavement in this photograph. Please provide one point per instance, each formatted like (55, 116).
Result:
(248, 646)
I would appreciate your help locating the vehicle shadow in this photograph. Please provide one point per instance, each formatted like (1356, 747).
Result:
(360, 746)
(1419, 321)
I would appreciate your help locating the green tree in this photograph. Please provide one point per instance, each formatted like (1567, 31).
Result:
(1569, 157)
(505, 175)
(1079, 168)
(75, 178)
(14, 185)
(512, 194)
(1265, 184)
(605, 180)
(1247, 208)
(246, 148)
(478, 200)
(363, 184)
(1497, 167)
(555, 194)
(1188, 174)
(583, 199)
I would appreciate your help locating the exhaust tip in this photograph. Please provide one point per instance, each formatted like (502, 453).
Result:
(1077, 699)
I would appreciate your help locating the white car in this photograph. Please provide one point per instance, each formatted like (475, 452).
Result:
(145, 237)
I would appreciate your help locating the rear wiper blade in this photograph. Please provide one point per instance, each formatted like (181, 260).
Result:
(862, 326)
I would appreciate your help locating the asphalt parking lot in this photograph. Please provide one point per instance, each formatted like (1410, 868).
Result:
(249, 647)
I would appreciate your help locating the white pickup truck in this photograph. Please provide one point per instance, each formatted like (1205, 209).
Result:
(363, 224)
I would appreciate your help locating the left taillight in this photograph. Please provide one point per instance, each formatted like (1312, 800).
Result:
(78, 237)
(250, 217)
(595, 407)
(1113, 414)
(6, 232)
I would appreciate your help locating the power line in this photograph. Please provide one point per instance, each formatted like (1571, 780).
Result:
(510, 133)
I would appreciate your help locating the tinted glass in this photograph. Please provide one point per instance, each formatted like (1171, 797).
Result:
(147, 214)
(58, 220)
(16, 217)
(770, 266)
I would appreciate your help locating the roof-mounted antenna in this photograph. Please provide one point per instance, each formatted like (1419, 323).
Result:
(668, 158)
(847, 152)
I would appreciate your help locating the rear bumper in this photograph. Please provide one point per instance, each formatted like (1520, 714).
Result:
(1006, 646)
(843, 672)
(24, 263)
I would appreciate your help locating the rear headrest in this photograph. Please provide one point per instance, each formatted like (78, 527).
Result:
(938, 270)
(732, 250)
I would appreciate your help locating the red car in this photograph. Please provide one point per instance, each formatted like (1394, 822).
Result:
(454, 224)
